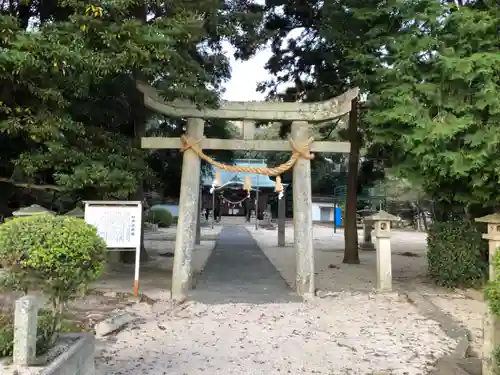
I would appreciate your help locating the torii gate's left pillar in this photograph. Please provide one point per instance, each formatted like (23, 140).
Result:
(188, 214)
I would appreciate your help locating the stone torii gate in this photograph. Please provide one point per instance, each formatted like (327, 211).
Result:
(302, 116)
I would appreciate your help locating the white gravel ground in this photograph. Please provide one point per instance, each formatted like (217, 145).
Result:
(350, 334)
(407, 271)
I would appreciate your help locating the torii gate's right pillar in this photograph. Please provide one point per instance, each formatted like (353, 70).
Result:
(302, 215)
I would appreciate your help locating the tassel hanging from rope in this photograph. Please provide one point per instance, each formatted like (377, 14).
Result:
(278, 187)
(217, 181)
(247, 185)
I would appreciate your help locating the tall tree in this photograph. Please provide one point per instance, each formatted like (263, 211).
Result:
(70, 113)
(311, 42)
(435, 106)
(351, 254)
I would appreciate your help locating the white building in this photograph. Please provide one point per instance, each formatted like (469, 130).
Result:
(323, 209)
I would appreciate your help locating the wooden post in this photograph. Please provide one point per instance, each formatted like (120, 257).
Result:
(188, 207)
(302, 215)
(351, 254)
(281, 221)
(198, 220)
(257, 205)
(334, 215)
(491, 322)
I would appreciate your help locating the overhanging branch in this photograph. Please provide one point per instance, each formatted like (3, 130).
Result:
(30, 185)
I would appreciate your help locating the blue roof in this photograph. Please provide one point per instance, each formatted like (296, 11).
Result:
(238, 178)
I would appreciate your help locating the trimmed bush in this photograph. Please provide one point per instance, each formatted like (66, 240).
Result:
(160, 216)
(55, 254)
(6, 334)
(492, 290)
(492, 296)
(456, 254)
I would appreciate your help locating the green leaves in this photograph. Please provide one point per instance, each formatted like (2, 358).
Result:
(59, 253)
(456, 254)
(436, 95)
(69, 109)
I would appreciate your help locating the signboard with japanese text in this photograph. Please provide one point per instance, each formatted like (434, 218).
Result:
(118, 224)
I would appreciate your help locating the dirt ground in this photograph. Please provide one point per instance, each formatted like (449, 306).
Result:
(113, 291)
(155, 276)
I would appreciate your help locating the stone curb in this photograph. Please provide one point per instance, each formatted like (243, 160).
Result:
(78, 359)
(452, 328)
(457, 362)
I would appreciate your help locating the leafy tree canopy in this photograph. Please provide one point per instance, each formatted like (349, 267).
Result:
(70, 114)
(428, 70)
(436, 109)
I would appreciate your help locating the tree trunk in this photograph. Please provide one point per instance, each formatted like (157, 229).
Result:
(351, 255)
(140, 119)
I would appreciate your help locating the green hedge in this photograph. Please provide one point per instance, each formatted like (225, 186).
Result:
(161, 216)
(456, 254)
(492, 290)
(492, 296)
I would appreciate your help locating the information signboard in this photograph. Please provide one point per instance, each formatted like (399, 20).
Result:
(119, 224)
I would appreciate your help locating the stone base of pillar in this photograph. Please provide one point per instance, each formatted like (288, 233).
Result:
(367, 246)
(384, 264)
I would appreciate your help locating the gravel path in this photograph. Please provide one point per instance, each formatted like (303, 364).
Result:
(350, 334)
(238, 271)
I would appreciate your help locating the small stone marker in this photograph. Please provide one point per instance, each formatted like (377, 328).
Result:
(491, 323)
(76, 212)
(25, 325)
(382, 221)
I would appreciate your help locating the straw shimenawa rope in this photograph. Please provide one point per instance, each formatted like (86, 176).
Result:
(297, 152)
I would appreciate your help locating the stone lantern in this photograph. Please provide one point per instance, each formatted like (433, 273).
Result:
(367, 243)
(76, 212)
(491, 323)
(32, 210)
(382, 222)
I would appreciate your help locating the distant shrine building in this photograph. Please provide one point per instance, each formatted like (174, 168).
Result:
(230, 197)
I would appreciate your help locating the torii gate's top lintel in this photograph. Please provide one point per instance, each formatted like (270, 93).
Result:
(264, 111)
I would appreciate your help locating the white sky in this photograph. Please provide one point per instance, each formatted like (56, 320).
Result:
(246, 75)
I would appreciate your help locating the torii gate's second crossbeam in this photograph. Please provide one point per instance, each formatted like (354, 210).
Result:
(302, 115)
